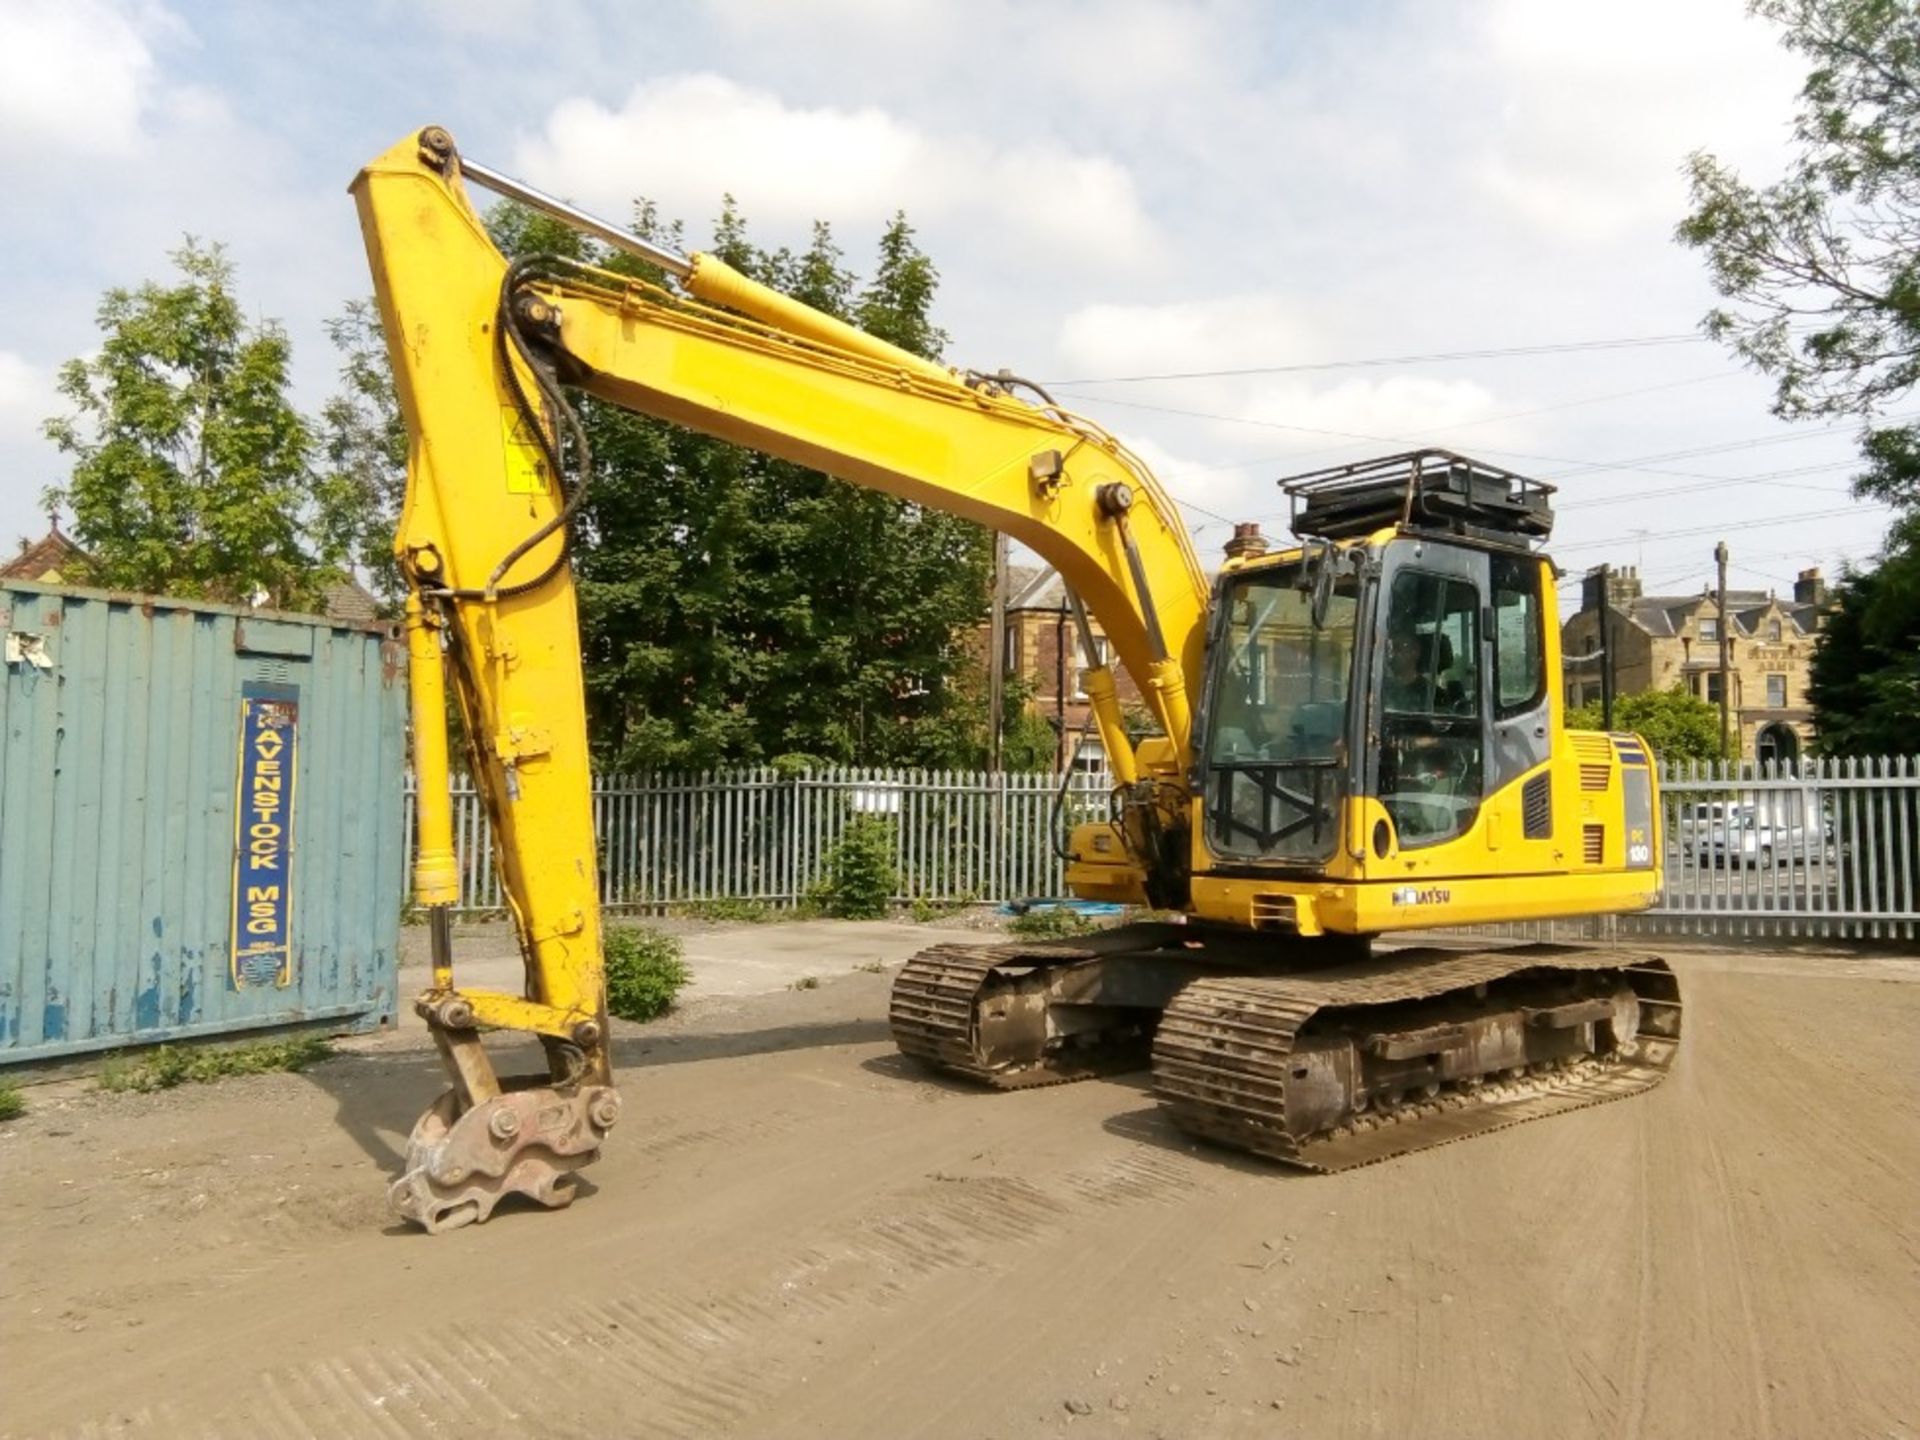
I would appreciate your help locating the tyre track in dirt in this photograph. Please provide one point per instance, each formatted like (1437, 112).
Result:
(818, 1241)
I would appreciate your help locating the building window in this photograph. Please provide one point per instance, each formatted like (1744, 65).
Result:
(1080, 665)
(1776, 692)
(1773, 631)
(1710, 629)
(1713, 687)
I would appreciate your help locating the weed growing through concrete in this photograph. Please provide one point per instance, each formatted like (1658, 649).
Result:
(925, 912)
(872, 967)
(857, 879)
(169, 1065)
(12, 1103)
(806, 982)
(644, 972)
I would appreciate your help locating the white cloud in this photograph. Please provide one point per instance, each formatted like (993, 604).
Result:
(28, 460)
(1219, 333)
(1602, 104)
(76, 76)
(26, 396)
(682, 140)
(1393, 410)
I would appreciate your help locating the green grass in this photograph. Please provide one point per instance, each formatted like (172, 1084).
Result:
(1055, 924)
(729, 911)
(169, 1065)
(925, 912)
(644, 972)
(12, 1103)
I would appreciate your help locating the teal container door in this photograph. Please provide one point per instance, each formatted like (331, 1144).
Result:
(200, 821)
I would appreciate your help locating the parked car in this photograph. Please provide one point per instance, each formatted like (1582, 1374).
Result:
(1757, 835)
(1692, 824)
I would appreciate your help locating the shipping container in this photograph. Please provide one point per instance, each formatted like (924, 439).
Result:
(200, 821)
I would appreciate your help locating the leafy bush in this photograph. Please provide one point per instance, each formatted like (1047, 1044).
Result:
(1053, 923)
(1677, 724)
(12, 1103)
(857, 880)
(644, 972)
(171, 1065)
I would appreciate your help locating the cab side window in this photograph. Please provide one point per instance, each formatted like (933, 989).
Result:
(1431, 766)
(1518, 670)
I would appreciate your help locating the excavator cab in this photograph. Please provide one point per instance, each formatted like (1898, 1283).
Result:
(1379, 707)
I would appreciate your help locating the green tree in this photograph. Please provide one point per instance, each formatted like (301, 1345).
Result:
(363, 450)
(1822, 266)
(737, 607)
(1820, 270)
(1865, 684)
(1677, 724)
(190, 463)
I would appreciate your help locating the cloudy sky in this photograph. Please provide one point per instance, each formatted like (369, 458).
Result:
(1313, 218)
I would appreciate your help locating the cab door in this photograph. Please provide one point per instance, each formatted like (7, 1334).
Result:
(1520, 701)
(1429, 733)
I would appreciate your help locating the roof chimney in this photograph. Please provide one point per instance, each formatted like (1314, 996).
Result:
(1623, 587)
(1809, 588)
(1247, 541)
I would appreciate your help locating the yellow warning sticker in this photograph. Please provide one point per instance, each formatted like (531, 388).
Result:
(526, 464)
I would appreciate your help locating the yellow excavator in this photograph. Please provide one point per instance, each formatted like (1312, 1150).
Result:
(1360, 734)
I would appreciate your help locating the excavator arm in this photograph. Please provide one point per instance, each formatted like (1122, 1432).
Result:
(483, 350)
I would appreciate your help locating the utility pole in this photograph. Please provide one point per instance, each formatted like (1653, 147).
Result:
(997, 651)
(1726, 679)
(1606, 646)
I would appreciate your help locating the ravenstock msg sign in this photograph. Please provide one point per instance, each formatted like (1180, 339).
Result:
(263, 837)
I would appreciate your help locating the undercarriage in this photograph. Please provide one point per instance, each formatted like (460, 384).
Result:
(1312, 1052)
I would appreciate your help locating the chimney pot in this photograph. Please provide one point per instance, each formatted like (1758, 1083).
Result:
(1247, 541)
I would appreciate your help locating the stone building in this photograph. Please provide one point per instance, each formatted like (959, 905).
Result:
(1043, 649)
(1663, 640)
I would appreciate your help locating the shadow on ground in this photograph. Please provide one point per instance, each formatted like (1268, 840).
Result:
(378, 1094)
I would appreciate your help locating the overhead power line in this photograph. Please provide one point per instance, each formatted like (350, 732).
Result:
(1631, 342)
(1717, 528)
(1604, 397)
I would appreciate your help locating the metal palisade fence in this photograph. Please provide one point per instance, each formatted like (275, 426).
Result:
(756, 835)
(1831, 849)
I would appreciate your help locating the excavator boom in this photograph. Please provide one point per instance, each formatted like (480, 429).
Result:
(480, 348)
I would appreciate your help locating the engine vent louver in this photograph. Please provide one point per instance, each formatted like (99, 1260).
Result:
(1593, 844)
(1536, 807)
(1595, 754)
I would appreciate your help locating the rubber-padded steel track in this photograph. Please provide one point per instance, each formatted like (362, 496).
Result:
(936, 1007)
(1221, 1057)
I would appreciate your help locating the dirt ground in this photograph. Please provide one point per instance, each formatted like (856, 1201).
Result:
(794, 1234)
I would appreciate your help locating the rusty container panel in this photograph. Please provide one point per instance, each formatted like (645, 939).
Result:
(200, 821)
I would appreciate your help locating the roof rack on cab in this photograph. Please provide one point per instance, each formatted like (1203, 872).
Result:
(1434, 490)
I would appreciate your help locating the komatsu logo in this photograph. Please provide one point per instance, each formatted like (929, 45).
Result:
(1432, 895)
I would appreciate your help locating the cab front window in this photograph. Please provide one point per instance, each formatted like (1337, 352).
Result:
(1277, 714)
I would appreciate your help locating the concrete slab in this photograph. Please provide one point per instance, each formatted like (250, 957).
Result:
(727, 961)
